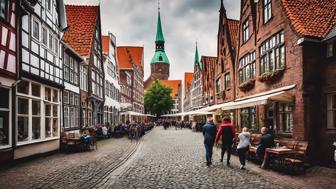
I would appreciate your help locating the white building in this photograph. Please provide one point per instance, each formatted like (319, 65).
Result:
(38, 93)
(112, 87)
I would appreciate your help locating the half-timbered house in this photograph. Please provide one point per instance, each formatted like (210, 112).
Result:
(38, 90)
(84, 36)
(9, 19)
(71, 93)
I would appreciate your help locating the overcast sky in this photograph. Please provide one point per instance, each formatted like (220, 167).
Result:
(184, 21)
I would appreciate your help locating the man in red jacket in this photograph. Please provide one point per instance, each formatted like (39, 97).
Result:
(227, 132)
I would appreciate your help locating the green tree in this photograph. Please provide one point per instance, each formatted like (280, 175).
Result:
(158, 100)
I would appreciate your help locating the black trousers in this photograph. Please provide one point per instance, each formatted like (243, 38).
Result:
(242, 155)
(226, 147)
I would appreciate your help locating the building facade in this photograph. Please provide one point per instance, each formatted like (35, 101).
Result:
(226, 53)
(112, 87)
(130, 60)
(9, 19)
(282, 67)
(84, 36)
(39, 89)
(188, 78)
(196, 90)
(208, 78)
(72, 61)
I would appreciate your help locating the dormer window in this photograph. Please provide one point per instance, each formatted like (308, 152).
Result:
(160, 58)
(246, 32)
(3, 9)
(267, 10)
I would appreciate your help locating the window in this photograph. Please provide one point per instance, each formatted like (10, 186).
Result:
(218, 86)
(247, 67)
(285, 118)
(246, 31)
(51, 39)
(70, 69)
(331, 108)
(44, 36)
(248, 118)
(107, 89)
(267, 10)
(272, 54)
(36, 29)
(48, 4)
(4, 117)
(97, 84)
(4, 9)
(33, 124)
(227, 81)
(330, 50)
(84, 78)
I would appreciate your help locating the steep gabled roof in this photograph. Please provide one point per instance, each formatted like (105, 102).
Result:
(127, 54)
(311, 18)
(233, 26)
(188, 77)
(82, 21)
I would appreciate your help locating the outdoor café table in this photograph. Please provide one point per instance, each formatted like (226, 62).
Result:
(275, 151)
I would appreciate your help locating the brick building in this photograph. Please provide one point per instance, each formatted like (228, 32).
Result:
(130, 60)
(226, 52)
(282, 71)
(208, 78)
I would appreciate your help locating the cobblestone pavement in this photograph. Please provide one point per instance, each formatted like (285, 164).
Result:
(175, 159)
(78, 170)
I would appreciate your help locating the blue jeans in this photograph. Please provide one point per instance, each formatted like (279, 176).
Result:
(208, 151)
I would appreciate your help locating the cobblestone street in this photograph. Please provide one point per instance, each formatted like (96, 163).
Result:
(175, 159)
(161, 159)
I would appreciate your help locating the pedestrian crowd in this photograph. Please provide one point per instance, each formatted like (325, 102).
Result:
(227, 134)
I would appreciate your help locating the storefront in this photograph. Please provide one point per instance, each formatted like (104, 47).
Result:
(37, 118)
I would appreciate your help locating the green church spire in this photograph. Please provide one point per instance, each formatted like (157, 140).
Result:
(160, 55)
(196, 60)
(159, 32)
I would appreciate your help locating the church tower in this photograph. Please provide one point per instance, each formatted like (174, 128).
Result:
(160, 62)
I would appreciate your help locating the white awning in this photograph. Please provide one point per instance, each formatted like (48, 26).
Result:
(261, 100)
(125, 105)
(131, 113)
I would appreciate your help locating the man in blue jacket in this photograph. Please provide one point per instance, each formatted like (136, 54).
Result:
(209, 133)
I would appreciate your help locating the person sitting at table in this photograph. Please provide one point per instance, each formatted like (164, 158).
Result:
(86, 137)
(266, 141)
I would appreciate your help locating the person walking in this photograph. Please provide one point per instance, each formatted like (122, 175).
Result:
(209, 133)
(243, 145)
(227, 132)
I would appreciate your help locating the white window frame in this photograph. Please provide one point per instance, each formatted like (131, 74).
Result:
(34, 19)
(30, 97)
(246, 30)
(267, 10)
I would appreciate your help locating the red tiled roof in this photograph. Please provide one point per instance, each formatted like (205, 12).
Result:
(106, 44)
(188, 77)
(82, 22)
(127, 53)
(233, 29)
(174, 84)
(311, 18)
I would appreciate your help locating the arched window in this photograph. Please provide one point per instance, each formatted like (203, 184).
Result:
(160, 58)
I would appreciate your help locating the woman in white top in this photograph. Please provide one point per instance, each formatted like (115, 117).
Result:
(244, 143)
